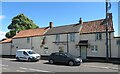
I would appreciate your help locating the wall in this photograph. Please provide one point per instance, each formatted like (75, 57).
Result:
(54, 47)
(36, 44)
(101, 45)
(0, 48)
(20, 43)
(6, 48)
(114, 47)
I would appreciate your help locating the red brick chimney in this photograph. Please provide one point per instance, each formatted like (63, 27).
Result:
(51, 24)
(110, 15)
(110, 19)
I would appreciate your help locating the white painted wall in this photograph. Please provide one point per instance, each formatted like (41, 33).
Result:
(21, 43)
(36, 43)
(0, 48)
(101, 45)
(63, 37)
(6, 48)
(114, 48)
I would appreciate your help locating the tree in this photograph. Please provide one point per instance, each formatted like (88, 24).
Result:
(20, 22)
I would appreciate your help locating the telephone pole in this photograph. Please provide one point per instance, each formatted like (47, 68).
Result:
(107, 54)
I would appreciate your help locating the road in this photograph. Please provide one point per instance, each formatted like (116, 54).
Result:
(11, 65)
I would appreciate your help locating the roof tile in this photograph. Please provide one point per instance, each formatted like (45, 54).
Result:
(31, 32)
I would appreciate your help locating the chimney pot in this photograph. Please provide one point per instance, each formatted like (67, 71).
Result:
(51, 24)
(80, 21)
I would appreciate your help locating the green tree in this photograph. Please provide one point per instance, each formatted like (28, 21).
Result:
(20, 22)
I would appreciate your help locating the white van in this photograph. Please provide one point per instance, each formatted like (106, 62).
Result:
(27, 54)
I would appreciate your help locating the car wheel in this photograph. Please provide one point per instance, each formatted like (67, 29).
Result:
(71, 63)
(51, 61)
(29, 59)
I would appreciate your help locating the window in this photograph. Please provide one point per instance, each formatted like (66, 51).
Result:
(57, 37)
(98, 36)
(94, 48)
(25, 53)
(46, 50)
(28, 40)
(61, 54)
(72, 37)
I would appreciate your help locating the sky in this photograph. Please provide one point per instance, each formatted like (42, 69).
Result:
(60, 13)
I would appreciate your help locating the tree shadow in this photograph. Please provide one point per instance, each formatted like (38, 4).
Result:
(57, 64)
(14, 60)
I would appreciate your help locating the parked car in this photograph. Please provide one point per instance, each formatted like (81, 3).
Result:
(63, 57)
(27, 54)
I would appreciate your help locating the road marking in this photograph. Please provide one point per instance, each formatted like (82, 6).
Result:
(33, 69)
(4, 68)
(20, 71)
(3, 65)
(101, 67)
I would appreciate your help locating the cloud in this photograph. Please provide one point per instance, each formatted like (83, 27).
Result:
(2, 17)
(2, 35)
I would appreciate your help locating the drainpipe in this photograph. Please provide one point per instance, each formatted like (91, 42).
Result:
(31, 43)
(11, 49)
(110, 43)
(67, 44)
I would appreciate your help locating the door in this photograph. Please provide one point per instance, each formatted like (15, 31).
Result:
(24, 56)
(62, 58)
(83, 52)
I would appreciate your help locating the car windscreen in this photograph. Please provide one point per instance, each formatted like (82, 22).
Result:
(31, 52)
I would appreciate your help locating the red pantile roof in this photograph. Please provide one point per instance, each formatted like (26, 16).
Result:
(96, 26)
(31, 33)
(9, 40)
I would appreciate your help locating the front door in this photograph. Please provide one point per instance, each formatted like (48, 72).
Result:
(83, 52)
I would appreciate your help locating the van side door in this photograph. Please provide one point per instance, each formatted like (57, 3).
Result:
(25, 55)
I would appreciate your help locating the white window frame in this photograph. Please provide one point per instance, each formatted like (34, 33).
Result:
(28, 39)
(98, 36)
(72, 37)
(57, 37)
(94, 48)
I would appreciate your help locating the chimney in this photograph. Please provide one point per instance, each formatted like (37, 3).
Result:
(51, 24)
(80, 21)
(109, 15)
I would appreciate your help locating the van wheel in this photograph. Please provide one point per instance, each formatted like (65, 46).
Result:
(51, 61)
(17, 58)
(71, 63)
(29, 59)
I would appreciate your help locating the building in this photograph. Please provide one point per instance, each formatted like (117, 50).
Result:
(84, 39)
(6, 47)
(29, 39)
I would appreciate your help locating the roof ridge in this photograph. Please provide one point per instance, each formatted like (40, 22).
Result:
(78, 23)
(93, 20)
(65, 25)
(34, 29)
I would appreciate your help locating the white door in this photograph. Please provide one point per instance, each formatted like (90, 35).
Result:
(83, 52)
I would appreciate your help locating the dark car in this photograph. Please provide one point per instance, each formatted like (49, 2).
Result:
(63, 57)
